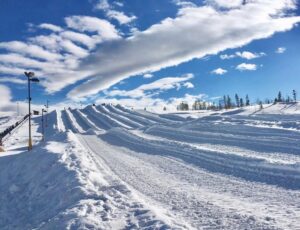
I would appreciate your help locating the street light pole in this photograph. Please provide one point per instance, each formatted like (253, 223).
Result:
(30, 77)
(47, 106)
(29, 110)
(43, 129)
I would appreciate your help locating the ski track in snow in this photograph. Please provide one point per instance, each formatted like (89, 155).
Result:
(222, 171)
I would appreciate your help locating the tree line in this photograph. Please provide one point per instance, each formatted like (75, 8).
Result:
(237, 102)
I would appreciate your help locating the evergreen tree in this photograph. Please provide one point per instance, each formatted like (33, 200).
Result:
(220, 105)
(261, 105)
(225, 102)
(237, 100)
(294, 95)
(247, 100)
(241, 102)
(279, 98)
(228, 102)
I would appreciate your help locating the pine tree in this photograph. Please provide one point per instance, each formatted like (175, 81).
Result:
(237, 100)
(241, 102)
(247, 100)
(220, 105)
(279, 98)
(261, 105)
(225, 102)
(228, 102)
(294, 95)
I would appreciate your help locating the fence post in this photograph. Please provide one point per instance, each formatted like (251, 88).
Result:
(1, 146)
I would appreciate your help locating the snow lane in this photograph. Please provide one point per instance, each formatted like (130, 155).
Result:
(100, 109)
(133, 117)
(145, 115)
(88, 121)
(250, 169)
(277, 158)
(266, 145)
(201, 198)
(122, 119)
(220, 172)
(67, 122)
(60, 123)
(81, 121)
(138, 213)
(74, 122)
(99, 121)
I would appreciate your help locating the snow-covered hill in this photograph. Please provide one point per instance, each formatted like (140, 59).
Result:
(109, 167)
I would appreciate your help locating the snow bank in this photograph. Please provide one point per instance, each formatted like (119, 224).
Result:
(43, 188)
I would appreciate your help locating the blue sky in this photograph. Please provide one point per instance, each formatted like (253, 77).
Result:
(148, 53)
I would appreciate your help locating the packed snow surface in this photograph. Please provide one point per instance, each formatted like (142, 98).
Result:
(109, 167)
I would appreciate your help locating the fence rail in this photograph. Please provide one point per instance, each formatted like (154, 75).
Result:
(8, 130)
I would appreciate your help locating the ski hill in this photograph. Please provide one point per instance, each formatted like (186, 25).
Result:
(110, 167)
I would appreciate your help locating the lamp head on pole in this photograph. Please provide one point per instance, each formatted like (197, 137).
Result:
(30, 76)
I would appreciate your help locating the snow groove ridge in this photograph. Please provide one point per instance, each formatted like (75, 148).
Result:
(251, 169)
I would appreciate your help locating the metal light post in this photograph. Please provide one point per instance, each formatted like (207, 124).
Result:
(31, 78)
(47, 106)
(43, 129)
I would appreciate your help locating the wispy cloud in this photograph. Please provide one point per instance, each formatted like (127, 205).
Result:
(155, 87)
(226, 3)
(92, 50)
(153, 104)
(280, 50)
(111, 13)
(14, 80)
(156, 48)
(183, 3)
(56, 57)
(244, 54)
(219, 71)
(245, 67)
(148, 75)
(51, 27)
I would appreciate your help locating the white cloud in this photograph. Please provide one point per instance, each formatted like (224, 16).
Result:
(245, 66)
(226, 56)
(219, 71)
(206, 31)
(155, 87)
(13, 80)
(30, 50)
(120, 4)
(153, 104)
(8, 106)
(50, 27)
(189, 85)
(280, 50)
(148, 75)
(183, 3)
(5, 95)
(55, 57)
(248, 55)
(226, 3)
(88, 41)
(102, 5)
(120, 16)
(245, 54)
(93, 24)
